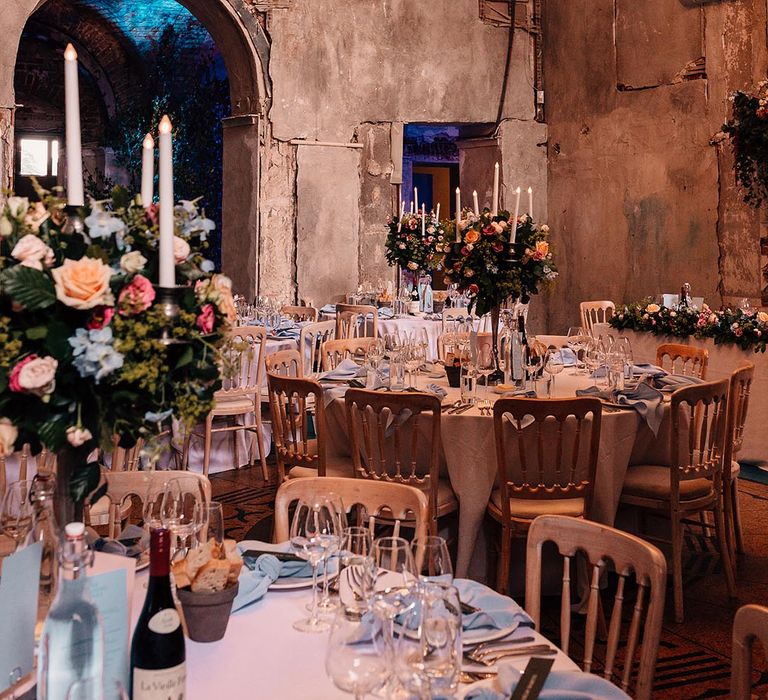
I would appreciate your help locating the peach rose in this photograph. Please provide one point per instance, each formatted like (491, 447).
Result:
(83, 284)
(541, 251)
(31, 251)
(8, 435)
(181, 250)
(471, 236)
(652, 308)
(762, 317)
(223, 286)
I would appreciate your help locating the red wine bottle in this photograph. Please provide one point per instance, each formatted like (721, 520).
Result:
(158, 669)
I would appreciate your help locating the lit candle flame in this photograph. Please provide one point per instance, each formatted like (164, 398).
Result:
(165, 125)
(149, 142)
(69, 53)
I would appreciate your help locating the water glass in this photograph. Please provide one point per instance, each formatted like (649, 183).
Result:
(428, 649)
(181, 511)
(356, 659)
(16, 512)
(356, 568)
(468, 383)
(327, 604)
(553, 365)
(432, 559)
(578, 338)
(314, 530)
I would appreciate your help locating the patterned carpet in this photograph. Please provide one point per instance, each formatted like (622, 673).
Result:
(694, 658)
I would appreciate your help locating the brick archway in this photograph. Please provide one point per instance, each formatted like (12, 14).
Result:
(244, 47)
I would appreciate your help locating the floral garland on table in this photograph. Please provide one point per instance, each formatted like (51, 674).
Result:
(748, 131)
(747, 329)
(80, 352)
(408, 249)
(481, 263)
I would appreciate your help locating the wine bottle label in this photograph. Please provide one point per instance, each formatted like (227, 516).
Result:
(160, 684)
(165, 621)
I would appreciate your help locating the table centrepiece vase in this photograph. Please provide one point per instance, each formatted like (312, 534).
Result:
(206, 614)
(69, 460)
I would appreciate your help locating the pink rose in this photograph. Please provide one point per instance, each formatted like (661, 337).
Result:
(181, 250)
(206, 319)
(31, 251)
(153, 211)
(497, 247)
(136, 296)
(34, 375)
(100, 317)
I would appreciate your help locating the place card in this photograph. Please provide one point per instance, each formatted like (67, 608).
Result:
(109, 582)
(532, 681)
(18, 612)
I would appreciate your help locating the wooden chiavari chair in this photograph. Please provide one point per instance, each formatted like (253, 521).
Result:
(284, 362)
(683, 359)
(593, 312)
(300, 313)
(336, 351)
(311, 340)
(352, 321)
(749, 625)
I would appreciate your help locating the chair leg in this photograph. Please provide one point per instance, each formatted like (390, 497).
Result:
(235, 444)
(260, 441)
(724, 554)
(677, 565)
(728, 519)
(207, 444)
(502, 574)
(736, 516)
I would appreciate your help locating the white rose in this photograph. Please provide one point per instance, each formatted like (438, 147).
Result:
(132, 262)
(78, 436)
(6, 227)
(32, 251)
(181, 250)
(544, 228)
(17, 206)
(8, 435)
(39, 376)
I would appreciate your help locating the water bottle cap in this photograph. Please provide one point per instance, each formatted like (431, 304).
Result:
(75, 530)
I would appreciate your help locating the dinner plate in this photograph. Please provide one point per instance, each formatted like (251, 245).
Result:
(580, 684)
(143, 561)
(485, 634)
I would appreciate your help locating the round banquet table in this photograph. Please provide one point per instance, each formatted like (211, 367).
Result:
(469, 458)
(262, 656)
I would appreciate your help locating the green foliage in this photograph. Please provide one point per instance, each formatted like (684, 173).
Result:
(31, 288)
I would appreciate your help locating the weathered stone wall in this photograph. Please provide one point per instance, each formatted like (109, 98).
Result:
(640, 199)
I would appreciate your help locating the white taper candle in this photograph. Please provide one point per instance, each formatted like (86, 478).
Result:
(474, 202)
(530, 202)
(495, 207)
(458, 214)
(513, 223)
(75, 196)
(147, 170)
(167, 263)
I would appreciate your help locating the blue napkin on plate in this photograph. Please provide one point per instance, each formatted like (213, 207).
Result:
(131, 542)
(254, 583)
(328, 309)
(386, 312)
(646, 400)
(649, 369)
(672, 382)
(293, 332)
(347, 369)
(496, 611)
(521, 393)
(567, 358)
(437, 390)
(288, 569)
(559, 685)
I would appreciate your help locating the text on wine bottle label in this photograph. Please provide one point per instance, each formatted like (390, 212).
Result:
(165, 621)
(160, 684)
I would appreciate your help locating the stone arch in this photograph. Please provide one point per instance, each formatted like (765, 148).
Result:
(244, 47)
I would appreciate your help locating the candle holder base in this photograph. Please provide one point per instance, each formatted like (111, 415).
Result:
(74, 222)
(167, 300)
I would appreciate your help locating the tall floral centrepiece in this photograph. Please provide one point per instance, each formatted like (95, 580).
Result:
(81, 350)
(495, 264)
(416, 242)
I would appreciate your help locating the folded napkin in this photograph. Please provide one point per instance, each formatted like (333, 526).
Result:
(293, 332)
(131, 542)
(437, 390)
(288, 569)
(496, 611)
(649, 369)
(346, 369)
(255, 582)
(565, 357)
(328, 309)
(559, 685)
(386, 312)
(671, 382)
(646, 400)
(521, 393)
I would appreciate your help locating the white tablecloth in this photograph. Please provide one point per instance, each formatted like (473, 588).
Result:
(470, 461)
(262, 656)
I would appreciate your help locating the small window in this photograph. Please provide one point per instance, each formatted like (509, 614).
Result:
(34, 157)
(54, 157)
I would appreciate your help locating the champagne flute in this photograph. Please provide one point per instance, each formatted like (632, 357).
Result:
(313, 530)
(16, 512)
(213, 524)
(553, 365)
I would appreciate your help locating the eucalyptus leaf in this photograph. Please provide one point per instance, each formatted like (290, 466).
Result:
(36, 332)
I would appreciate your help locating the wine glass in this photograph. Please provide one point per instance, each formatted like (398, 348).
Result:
(335, 501)
(375, 352)
(577, 340)
(356, 568)
(314, 530)
(553, 365)
(355, 658)
(181, 511)
(485, 362)
(533, 360)
(213, 524)
(16, 511)
(428, 651)
(152, 506)
(432, 559)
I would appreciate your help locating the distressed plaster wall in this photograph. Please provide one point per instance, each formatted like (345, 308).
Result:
(641, 200)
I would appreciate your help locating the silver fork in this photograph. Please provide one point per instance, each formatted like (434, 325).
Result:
(489, 658)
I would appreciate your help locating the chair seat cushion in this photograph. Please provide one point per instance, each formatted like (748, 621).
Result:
(334, 466)
(653, 481)
(530, 508)
(232, 405)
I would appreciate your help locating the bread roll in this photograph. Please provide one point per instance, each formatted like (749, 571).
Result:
(211, 577)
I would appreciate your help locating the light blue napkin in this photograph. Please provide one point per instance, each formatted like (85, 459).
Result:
(646, 400)
(559, 685)
(437, 390)
(131, 542)
(566, 358)
(328, 309)
(386, 312)
(288, 569)
(293, 332)
(496, 611)
(347, 369)
(649, 369)
(672, 382)
(255, 583)
(521, 393)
